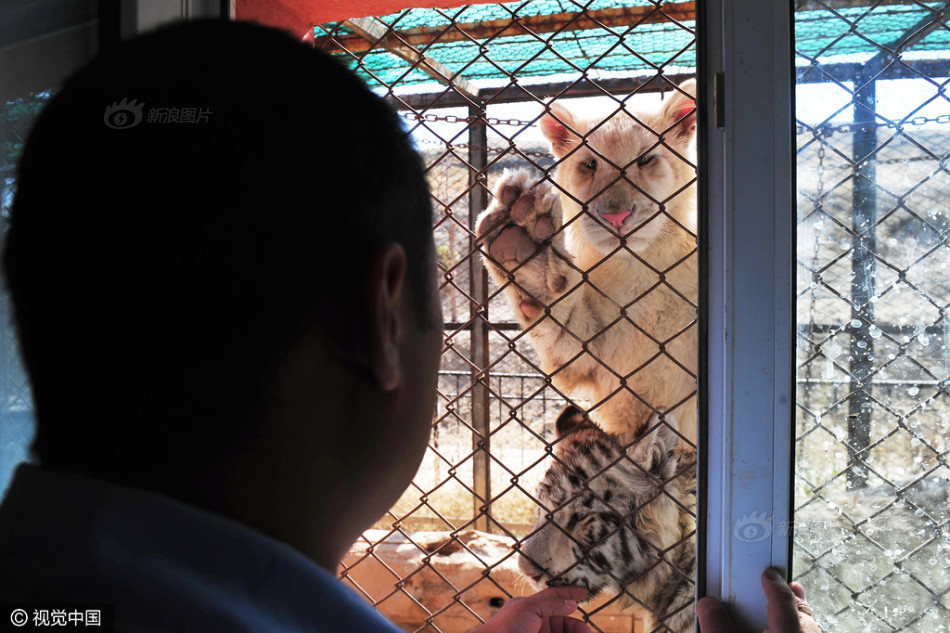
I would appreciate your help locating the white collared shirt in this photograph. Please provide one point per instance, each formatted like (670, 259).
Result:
(165, 565)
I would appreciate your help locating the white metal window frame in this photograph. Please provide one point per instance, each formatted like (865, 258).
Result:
(748, 231)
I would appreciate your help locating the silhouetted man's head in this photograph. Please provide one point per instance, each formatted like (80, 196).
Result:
(186, 207)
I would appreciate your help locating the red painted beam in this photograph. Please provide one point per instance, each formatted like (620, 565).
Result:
(300, 16)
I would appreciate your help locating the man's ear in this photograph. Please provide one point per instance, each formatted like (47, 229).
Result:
(386, 287)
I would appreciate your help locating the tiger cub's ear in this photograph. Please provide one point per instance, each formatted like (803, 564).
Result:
(560, 128)
(655, 452)
(677, 120)
(571, 419)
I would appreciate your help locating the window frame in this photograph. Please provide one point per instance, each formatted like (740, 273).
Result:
(747, 173)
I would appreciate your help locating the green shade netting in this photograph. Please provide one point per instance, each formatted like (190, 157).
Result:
(647, 47)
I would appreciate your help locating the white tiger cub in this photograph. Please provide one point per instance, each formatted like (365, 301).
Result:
(604, 275)
(617, 514)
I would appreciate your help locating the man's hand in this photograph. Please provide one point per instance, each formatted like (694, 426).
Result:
(544, 612)
(787, 601)
(787, 610)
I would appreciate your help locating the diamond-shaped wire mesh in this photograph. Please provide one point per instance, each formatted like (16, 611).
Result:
(871, 533)
(473, 84)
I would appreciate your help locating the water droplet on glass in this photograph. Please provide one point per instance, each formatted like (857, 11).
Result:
(913, 391)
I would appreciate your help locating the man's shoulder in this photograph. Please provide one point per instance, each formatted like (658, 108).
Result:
(160, 564)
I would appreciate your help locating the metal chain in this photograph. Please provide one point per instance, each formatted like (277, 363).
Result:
(825, 129)
(506, 150)
(890, 161)
(830, 130)
(469, 120)
(805, 394)
(490, 150)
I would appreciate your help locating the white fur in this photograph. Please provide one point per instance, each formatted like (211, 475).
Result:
(625, 337)
(616, 516)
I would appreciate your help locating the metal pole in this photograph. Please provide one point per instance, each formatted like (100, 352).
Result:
(477, 200)
(863, 269)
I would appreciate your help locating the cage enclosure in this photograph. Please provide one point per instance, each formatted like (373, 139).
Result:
(475, 86)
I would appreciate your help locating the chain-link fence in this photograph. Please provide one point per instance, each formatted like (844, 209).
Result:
(480, 89)
(872, 541)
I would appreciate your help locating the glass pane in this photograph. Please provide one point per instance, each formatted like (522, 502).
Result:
(871, 537)
(16, 404)
(474, 84)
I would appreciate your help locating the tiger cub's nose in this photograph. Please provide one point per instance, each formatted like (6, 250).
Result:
(617, 218)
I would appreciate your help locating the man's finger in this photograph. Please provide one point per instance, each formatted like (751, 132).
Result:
(807, 619)
(713, 616)
(782, 605)
(556, 600)
(568, 625)
(577, 594)
(797, 589)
